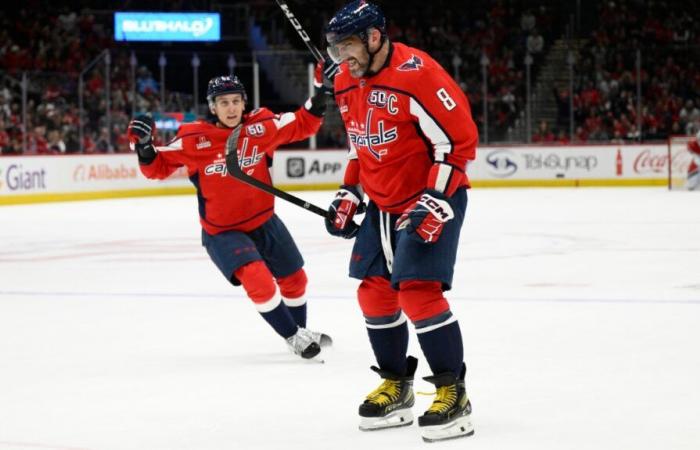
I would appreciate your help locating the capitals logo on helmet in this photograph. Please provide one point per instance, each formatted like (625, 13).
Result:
(225, 84)
(355, 18)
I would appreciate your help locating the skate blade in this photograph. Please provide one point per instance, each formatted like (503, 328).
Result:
(460, 427)
(325, 341)
(398, 418)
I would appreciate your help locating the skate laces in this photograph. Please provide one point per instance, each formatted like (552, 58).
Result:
(386, 393)
(446, 396)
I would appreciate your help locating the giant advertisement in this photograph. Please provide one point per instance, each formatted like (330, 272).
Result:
(62, 177)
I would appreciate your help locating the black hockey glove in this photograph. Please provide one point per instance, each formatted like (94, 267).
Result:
(140, 133)
(342, 210)
(316, 105)
(323, 80)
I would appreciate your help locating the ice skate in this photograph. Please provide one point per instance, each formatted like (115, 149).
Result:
(390, 404)
(449, 415)
(321, 339)
(307, 343)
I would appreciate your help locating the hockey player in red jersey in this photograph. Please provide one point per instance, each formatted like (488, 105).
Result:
(693, 182)
(410, 135)
(240, 231)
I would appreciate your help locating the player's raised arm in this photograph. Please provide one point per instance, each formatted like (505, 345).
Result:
(153, 164)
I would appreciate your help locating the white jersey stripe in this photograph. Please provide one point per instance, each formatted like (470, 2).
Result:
(441, 142)
(271, 304)
(284, 120)
(385, 238)
(352, 153)
(452, 319)
(443, 177)
(396, 323)
(174, 146)
(294, 302)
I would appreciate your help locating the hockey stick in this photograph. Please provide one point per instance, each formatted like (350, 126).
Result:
(233, 167)
(232, 164)
(302, 34)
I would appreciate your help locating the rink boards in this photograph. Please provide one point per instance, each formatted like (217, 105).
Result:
(28, 179)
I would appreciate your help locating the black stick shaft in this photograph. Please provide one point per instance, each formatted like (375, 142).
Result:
(300, 30)
(235, 170)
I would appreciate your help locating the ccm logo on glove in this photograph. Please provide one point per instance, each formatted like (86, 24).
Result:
(425, 220)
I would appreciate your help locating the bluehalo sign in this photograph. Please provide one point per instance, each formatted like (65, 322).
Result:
(161, 26)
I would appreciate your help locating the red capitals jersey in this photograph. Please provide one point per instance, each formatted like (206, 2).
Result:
(409, 126)
(694, 146)
(226, 203)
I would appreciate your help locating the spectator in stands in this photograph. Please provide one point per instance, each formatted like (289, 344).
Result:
(527, 21)
(535, 46)
(145, 82)
(4, 137)
(561, 97)
(72, 142)
(55, 142)
(543, 134)
(36, 142)
(103, 144)
(689, 113)
(563, 138)
(581, 135)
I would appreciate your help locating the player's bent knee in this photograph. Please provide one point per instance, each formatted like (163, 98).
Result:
(377, 298)
(421, 300)
(293, 286)
(257, 282)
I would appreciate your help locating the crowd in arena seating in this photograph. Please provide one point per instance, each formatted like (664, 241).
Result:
(458, 36)
(52, 50)
(51, 45)
(458, 40)
(605, 102)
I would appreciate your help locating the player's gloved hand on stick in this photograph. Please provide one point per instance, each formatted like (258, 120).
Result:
(325, 73)
(342, 210)
(425, 220)
(140, 133)
(323, 80)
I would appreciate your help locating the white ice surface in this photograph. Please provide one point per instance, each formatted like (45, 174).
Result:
(580, 310)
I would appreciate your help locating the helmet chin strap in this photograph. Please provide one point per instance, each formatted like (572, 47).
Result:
(372, 54)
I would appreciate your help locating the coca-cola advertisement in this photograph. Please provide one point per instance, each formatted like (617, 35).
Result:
(649, 162)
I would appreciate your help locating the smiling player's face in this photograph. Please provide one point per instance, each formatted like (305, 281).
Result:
(354, 52)
(228, 108)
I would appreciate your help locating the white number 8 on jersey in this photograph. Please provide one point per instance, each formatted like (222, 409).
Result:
(446, 99)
